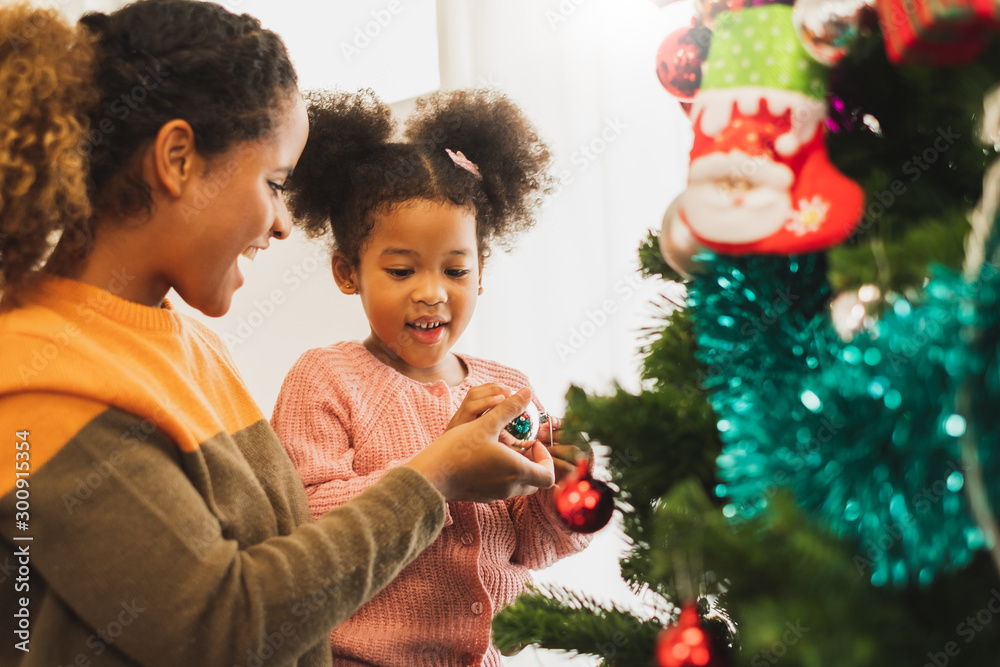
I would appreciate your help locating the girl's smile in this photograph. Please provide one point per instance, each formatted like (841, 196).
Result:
(428, 330)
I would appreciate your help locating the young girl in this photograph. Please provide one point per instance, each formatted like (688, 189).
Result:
(412, 223)
(147, 511)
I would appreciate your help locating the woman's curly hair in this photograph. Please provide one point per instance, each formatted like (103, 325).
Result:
(46, 84)
(353, 169)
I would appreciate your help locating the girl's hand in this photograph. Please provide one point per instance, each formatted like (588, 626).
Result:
(477, 401)
(469, 463)
(564, 456)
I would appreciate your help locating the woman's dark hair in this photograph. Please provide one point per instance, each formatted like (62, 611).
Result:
(164, 59)
(91, 98)
(353, 170)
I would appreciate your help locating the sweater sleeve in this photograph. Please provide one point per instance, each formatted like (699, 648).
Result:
(313, 420)
(118, 524)
(542, 539)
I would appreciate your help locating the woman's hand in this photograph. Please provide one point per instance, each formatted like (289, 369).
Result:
(469, 463)
(477, 401)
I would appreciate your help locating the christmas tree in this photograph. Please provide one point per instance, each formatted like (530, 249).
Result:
(801, 482)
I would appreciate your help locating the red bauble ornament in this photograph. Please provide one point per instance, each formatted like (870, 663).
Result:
(685, 644)
(585, 504)
(679, 61)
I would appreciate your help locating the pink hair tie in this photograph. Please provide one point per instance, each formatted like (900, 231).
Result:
(464, 162)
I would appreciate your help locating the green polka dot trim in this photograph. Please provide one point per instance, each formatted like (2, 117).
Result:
(759, 47)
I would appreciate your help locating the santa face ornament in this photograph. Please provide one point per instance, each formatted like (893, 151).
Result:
(760, 179)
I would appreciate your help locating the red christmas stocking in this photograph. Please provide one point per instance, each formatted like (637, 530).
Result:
(761, 180)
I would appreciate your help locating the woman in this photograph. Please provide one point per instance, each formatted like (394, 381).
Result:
(147, 509)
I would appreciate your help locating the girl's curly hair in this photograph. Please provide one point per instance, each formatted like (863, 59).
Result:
(353, 170)
(46, 84)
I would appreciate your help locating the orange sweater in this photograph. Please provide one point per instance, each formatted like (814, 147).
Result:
(347, 420)
(150, 512)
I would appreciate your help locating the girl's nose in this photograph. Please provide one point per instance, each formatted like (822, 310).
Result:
(430, 290)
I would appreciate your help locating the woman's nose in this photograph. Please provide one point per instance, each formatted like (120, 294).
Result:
(282, 225)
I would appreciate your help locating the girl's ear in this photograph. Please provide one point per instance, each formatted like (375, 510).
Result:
(344, 274)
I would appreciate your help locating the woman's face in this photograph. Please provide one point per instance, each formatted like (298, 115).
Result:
(234, 207)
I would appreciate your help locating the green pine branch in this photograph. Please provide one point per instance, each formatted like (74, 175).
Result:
(556, 619)
(651, 260)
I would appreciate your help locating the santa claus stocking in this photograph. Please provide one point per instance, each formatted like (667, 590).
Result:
(761, 180)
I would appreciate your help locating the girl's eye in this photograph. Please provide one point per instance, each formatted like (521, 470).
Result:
(399, 273)
(278, 188)
(457, 273)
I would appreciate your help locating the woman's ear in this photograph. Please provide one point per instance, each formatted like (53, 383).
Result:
(344, 274)
(174, 156)
(481, 261)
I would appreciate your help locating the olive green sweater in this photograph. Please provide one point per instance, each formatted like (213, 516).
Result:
(148, 513)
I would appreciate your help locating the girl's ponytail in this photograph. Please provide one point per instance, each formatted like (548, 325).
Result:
(349, 135)
(494, 134)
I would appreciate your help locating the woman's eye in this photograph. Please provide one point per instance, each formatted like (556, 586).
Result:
(457, 273)
(278, 188)
(399, 273)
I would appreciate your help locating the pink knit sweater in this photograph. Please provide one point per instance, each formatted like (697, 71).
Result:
(345, 418)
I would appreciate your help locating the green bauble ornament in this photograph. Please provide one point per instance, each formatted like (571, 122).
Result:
(524, 427)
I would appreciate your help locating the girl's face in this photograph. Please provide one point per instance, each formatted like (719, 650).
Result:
(236, 206)
(418, 278)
